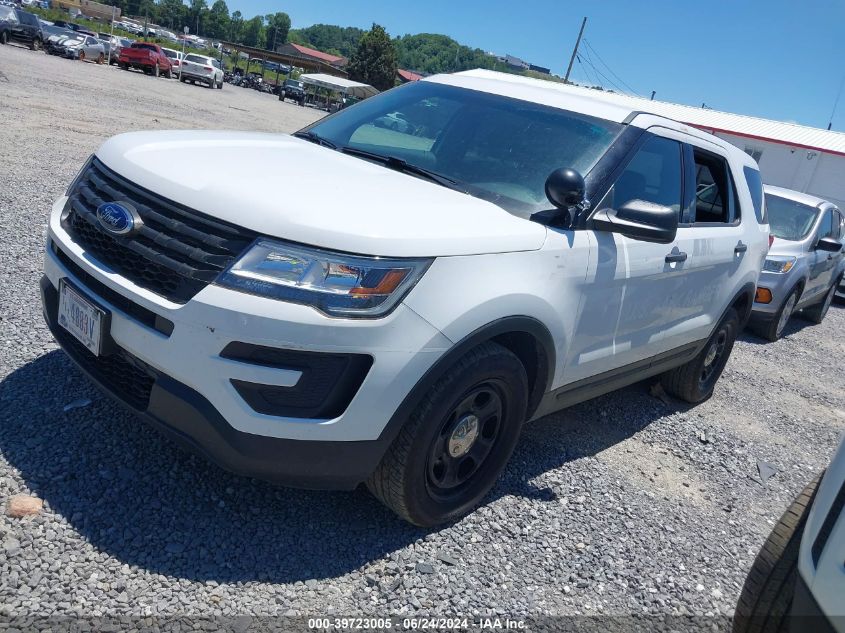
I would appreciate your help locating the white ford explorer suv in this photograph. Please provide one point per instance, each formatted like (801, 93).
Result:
(397, 314)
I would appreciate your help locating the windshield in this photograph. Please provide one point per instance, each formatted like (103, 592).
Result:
(149, 47)
(789, 220)
(496, 148)
(196, 59)
(7, 13)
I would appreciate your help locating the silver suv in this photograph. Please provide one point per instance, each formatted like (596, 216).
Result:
(805, 261)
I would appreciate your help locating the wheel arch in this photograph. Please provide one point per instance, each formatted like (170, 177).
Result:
(526, 337)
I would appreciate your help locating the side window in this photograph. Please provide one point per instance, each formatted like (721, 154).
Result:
(714, 195)
(755, 186)
(826, 228)
(652, 175)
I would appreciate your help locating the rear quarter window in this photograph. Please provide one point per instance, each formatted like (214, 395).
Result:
(755, 186)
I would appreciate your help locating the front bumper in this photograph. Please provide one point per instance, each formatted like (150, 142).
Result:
(195, 391)
(780, 285)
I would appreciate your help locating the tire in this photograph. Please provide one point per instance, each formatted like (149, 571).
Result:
(432, 473)
(220, 85)
(694, 381)
(773, 330)
(4, 38)
(168, 74)
(766, 599)
(123, 66)
(183, 80)
(81, 56)
(35, 44)
(101, 58)
(816, 313)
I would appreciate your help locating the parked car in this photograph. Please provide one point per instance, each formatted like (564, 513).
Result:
(805, 263)
(175, 58)
(20, 26)
(147, 57)
(797, 580)
(393, 121)
(53, 45)
(396, 317)
(199, 68)
(84, 47)
(294, 90)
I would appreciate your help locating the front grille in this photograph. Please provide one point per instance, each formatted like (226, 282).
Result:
(177, 251)
(128, 377)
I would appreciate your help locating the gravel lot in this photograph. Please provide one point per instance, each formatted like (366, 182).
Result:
(615, 506)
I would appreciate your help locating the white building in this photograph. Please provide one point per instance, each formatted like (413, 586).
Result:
(794, 156)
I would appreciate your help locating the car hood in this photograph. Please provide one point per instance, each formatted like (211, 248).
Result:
(292, 189)
(781, 246)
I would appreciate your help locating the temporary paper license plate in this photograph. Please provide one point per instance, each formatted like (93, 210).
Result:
(80, 317)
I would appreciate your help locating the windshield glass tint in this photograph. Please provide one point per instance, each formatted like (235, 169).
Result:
(789, 220)
(149, 47)
(497, 148)
(196, 59)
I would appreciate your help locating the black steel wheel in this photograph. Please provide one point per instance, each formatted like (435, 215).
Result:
(455, 444)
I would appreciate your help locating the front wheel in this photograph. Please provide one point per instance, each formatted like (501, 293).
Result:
(35, 44)
(766, 598)
(695, 380)
(82, 56)
(4, 38)
(772, 330)
(455, 444)
(817, 313)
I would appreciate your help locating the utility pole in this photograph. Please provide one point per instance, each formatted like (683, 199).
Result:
(575, 51)
(111, 35)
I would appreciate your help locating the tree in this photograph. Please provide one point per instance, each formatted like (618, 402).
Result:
(236, 25)
(217, 22)
(278, 26)
(196, 12)
(173, 13)
(374, 61)
(328, 38)
(253, 32)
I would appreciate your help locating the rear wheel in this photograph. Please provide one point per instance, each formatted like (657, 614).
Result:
(766, 598)
(694, 381)
(817, 313)
(124, 66)
(4, 38)
(457, 441)
(169, 73)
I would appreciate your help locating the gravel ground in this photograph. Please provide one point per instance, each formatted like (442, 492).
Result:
(615, 506)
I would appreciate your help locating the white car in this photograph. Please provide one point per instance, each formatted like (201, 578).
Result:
(395, 317)
(199, 68)
(797, 581)
(175, 58)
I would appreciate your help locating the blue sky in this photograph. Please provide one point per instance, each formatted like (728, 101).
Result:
(772, 58)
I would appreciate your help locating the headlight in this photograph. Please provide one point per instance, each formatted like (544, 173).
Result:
(776, 264)
(335, 283)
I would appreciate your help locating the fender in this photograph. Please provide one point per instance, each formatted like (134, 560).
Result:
(499, 327)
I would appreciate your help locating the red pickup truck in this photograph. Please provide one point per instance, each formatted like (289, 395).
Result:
(147, 57)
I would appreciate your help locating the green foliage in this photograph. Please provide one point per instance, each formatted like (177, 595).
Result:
(432, 53)
(337, 40)
(252, 33)
(374, 61)
(278, 26)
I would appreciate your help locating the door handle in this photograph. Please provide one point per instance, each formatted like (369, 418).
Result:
(676, 256)
(741, 248)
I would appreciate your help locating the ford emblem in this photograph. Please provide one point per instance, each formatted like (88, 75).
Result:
(118, 218)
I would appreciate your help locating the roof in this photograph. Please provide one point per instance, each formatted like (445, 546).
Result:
(347, 86)
(312, 52)
(712, 120)
(408, 75)
(796, 196)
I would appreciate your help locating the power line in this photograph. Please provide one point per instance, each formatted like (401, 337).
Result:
(599, 73)
(836, 102)
(593, 81)
(610, 70)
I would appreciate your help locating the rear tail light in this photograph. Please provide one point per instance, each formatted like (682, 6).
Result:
(208, 68)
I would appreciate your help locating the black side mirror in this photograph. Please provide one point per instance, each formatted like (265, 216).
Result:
(565, 188)
(829, 245)
(639, 220)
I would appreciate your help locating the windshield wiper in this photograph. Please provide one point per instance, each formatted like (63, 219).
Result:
(400, 164)
(315, 138)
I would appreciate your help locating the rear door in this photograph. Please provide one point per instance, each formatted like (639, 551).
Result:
(710, 235)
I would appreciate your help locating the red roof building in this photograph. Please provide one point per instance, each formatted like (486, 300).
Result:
(298, 50)
(406, 75)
